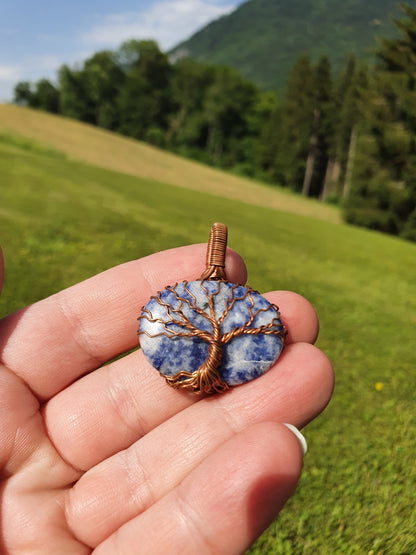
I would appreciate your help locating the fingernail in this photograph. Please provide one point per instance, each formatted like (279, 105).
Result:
(301, 438)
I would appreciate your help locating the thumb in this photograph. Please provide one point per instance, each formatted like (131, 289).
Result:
(224, 504)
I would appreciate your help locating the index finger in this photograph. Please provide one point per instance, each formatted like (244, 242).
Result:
(54, 341)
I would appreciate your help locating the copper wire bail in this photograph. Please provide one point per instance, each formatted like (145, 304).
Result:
(217, 246)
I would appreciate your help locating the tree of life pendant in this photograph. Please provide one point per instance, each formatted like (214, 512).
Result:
(208, 335)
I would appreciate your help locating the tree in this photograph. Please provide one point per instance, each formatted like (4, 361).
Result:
(187, 127)
(350, 104)
(260, 144)
(269, 113)
(23, 94)
(197, 313)
(103, 79)
(144, 101)
(383, 194)
(46, 97)
(295, 123)
(228, 105)
(74, 97)
(43, 96)
(321, 132)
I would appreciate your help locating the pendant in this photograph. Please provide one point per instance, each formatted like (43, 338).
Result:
(208, 335)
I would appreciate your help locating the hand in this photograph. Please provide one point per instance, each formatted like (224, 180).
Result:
(110, 458)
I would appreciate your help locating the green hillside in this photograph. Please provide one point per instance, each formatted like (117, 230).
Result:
(263, 38)
(64, 219)
(98, 147)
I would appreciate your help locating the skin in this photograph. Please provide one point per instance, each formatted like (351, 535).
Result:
(110, 459)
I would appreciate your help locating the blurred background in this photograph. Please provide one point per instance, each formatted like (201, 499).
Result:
(129, 129)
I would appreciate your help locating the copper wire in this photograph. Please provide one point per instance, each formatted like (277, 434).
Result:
(217, 246)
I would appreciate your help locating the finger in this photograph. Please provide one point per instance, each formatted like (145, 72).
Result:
(224, 504)
(53, 342)
(129, 482)
(111, 408)
(297, 314)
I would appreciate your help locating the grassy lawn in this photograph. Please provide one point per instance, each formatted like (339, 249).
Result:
(62, 220)
(107, 150)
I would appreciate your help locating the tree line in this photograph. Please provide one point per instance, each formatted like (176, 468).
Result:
(349, 138)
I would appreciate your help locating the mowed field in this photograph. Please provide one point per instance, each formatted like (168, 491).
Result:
(104, 149)
(75, 200)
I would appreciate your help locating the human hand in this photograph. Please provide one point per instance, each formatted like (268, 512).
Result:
(110, 459)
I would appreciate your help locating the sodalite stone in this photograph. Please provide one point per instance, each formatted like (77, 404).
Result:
(244, 357)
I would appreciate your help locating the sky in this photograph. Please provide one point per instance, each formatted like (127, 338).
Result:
(38, 36)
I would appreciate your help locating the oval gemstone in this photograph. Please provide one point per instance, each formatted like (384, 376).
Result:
(178, 324)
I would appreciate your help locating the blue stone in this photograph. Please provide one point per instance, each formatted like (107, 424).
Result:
(177, 324)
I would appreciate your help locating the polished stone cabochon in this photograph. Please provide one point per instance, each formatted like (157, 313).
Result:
(244, 357)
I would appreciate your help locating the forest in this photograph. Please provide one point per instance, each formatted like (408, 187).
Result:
(347, 138)
(262, 39)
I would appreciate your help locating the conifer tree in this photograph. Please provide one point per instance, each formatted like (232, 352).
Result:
(321, 132)
(295, 119)
(349, 107)
(43, 96)
(383, 194)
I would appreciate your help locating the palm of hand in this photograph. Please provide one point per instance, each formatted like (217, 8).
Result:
(114, 461)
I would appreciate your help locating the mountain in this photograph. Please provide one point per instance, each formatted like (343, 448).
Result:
(263, 38)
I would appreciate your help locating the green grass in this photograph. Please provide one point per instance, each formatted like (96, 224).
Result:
(107, 150)
(63, 220)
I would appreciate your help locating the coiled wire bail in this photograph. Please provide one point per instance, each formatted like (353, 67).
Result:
(216, 249)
